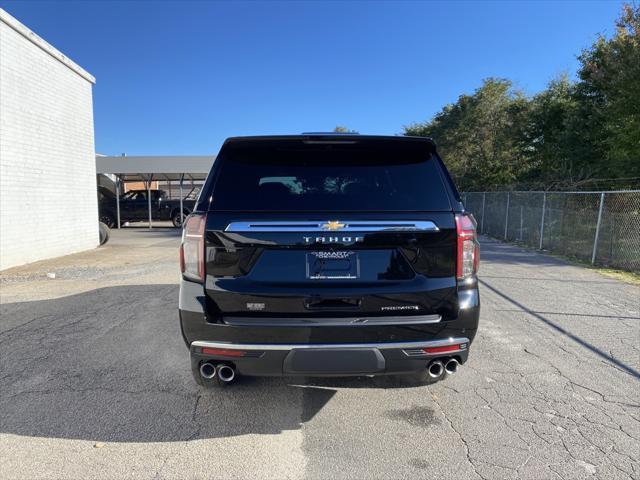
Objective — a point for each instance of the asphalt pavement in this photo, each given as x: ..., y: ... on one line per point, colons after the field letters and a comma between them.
x: 95, y: 383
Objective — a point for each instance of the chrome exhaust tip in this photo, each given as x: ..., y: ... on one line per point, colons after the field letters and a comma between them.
x: 225, y: 373
x: 451, y: 366
x: 207, y: 370
x: 435, y: 369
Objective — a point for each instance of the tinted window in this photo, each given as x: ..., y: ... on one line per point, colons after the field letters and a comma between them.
x: 328, y: 178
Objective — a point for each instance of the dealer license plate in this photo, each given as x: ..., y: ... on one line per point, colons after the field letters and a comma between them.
x: 333, y: 265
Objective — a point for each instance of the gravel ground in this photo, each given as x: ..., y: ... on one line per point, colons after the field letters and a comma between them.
x: 95, y: 383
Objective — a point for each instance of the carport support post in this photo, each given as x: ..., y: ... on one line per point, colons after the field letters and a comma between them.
x: 181, y: 195
x: 544, y: 208
x: 506, y: 216
x: 149, y: 199
x: 595, y: 240
x: 118, y: 201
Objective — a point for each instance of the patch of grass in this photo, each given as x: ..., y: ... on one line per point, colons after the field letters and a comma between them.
x: 622, y: 275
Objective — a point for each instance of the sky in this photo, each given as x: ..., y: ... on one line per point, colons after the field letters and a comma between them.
x: 177, y: 78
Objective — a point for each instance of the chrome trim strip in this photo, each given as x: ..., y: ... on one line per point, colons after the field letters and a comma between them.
x: 337, y: 346
x: 345, y: 226
x: 239, y: 321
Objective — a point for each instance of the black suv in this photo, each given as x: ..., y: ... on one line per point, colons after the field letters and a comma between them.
x: 328, y: 255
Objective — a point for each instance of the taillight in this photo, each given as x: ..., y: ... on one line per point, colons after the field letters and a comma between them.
x: 192, y: 248
x: 468, y: 248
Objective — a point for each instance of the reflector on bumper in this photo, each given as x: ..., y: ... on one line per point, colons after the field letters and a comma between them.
x: 437, y: 350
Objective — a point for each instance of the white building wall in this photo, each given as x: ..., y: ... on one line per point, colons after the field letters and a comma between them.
x: 48, y: 203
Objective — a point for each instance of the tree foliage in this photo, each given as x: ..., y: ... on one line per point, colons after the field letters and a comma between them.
x: 582, y: 134
x: 477, y: 134
x: 341, y: 129
x: 610, y: 83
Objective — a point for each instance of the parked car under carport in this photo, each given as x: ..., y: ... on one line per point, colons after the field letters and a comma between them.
x: 117, y: 208
x: 135, y: 206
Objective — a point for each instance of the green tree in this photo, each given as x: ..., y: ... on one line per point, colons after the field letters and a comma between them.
x: 481, y: 135
x: 609, y: 90
x: 341, y: 129
x: 570, y: 135
x: 553, y: 141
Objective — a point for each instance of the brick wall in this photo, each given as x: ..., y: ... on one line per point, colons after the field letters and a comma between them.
x: 48, y: 203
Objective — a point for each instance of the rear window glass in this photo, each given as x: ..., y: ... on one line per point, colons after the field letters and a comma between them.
x: 328, y: 178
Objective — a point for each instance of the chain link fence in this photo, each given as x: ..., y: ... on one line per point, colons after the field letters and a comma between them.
x: 599, y: 227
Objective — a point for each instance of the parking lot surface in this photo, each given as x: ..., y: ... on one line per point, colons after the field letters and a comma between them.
x: 95, y: 383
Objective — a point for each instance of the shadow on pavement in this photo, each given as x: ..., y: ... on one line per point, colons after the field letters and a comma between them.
x: 111, y: 365
x: 378, y: 382
x: 617, y: 317
x: 621, y: 365
x: 508, y: 254
x: 547, y: 279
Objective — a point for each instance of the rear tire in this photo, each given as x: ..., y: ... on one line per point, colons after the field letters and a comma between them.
x: 177, y: 220
x: 105, y: 233
x: 108, y: 220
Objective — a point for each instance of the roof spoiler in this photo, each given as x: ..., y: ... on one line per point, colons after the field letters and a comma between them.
x: 336, y: 138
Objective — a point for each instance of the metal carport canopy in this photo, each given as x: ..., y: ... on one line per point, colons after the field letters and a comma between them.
x: 138, y: 169
x: 150, y: 168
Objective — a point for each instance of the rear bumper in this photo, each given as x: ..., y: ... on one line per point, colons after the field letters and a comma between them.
x: 333, y: 346
x: 389, y: 358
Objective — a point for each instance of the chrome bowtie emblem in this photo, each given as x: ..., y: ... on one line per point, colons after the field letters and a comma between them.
x: 333, y: 225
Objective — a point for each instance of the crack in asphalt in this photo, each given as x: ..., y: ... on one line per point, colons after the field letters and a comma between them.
x: 459, y: 435
x: 531, y: 402
x: 630, y: 370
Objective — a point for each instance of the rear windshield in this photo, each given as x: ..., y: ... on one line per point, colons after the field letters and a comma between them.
x: 328, y: 178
